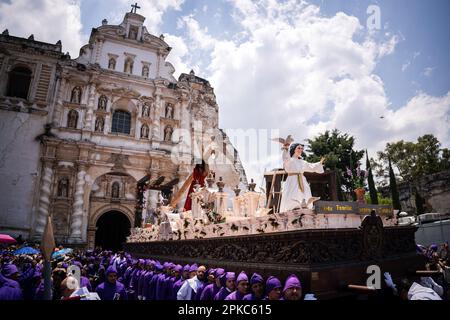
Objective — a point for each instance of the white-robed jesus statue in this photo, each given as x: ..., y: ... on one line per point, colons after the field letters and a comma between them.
x: 296, y: 189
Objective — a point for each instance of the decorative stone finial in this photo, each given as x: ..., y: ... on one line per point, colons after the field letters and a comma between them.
x: 237, y: 191
x: 58, y: 43
x: 161, y: 36
x: 220, y: 184
x: 31, y: 37
x: 192, y: 73
x: 210, y: 180
x: 5, y: 32
x: 104, y: 22
x: 251, y: 186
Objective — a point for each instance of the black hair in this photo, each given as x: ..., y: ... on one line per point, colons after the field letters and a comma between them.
x: 293, y: 147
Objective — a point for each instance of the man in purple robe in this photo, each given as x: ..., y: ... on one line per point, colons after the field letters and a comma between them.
x: 211, y: 289
x: 9, y: 287
x: 273, y: 288
x: 169, y: 293
x: 228, y: 282
x: 148, y: 276
x: 242, y: 287
x: 132, y: 288
x: 152, y: 285
x: 257, y: 287
x: 184, y: 276
x: 292, y: 288
x: 140, y: 288
x: 112, y: 289
x: 161, y: 282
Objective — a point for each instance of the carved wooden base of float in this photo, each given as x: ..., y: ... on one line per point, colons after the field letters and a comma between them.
x: 325, y: 259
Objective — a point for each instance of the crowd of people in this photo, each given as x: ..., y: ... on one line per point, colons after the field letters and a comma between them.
x: 118, y: 276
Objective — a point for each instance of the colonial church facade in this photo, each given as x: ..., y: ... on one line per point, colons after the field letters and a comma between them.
x: 84, y: 139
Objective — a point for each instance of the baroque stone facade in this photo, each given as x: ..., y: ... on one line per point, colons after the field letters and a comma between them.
x: 79, y: 135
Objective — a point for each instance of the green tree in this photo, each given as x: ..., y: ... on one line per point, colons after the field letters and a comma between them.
x: 393, y: 187
x: 415, y: 160
x: 371, y: 182
x: 338, y: 149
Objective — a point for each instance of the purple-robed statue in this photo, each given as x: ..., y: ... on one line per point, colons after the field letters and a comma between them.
x: 212, y: 289
x: 257, y: 288
x: 242, y: 287
x: 111, y: 289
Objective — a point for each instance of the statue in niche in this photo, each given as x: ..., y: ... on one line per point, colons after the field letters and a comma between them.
x: 99, y: 124
x: 145, y: 71
x: 112, y: 64
x: 168, y: 133
x: 133, y: 33
x: 169, y: 111
x: 63, y: 187
x: 146, y: 111
x: 144, y: 131
x: 128, y: 66
x: 102, y: 101
x: 115, y: 190
x: 76, y: 95
x: 72, y: 119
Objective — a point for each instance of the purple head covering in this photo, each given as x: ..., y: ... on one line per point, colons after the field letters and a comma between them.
x: 9, y: 269
x: 159, y: 267
x: 178, y: 268
x: 78, y: 264
x: 219, y: 272
x: 110, y: 269
x: 193, y: 268
x: 256, y: 278
x: 230, y: 275
x: 65, y: 265
x: 434, y: 247
x: 242, y: 277
x: 186, y: 268
x: 272, y: 283
x: 165, y: 265
x: 292, y: 282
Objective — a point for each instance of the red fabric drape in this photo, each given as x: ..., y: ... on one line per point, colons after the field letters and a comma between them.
x: 198, y: 178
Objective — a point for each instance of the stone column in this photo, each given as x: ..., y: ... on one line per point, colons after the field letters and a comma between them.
x: 156, y: 125
x: 77, y: 214
x: 44, y: 199
x: 152, y: 198
x: 58, y: 112
x: 251, y: 200
x: 88, y: 125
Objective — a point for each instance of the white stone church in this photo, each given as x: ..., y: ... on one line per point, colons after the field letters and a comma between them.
x: 81, y: 139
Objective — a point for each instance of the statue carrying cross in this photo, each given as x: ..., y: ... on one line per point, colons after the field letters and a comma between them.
x: 134, y: 7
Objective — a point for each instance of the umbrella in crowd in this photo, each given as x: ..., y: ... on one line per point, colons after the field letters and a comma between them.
x: 4, y: 238
x: 26, y: 250
x: 61, y: 252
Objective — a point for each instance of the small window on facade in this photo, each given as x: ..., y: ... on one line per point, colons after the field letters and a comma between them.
x: 121, y: 122
x: 72, y: 119
x: 19, y: 82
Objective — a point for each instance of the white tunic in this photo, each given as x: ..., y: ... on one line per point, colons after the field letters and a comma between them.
x: 292, y: 196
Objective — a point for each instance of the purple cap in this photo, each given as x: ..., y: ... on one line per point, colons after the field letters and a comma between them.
x: 219, y: 272
x: 193, y: 268
x: 292, y: 282
x: 256, y: 278
x: 272, y: 283
x: 242, y: 277
x: 78, y: 264
x: 178, y: 268
x: 110, y: 269
x: 186, y: 268
x: 230, y: 275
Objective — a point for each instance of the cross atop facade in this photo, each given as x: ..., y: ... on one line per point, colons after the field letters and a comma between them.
x: 134, y: 7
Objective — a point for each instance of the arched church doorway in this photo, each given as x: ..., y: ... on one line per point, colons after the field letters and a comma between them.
x: 112, y: 229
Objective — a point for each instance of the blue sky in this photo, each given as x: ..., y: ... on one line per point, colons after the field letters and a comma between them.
x: 299, y: 67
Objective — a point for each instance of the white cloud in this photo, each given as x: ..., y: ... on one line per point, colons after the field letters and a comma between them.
x: 178, y: 55
x: 303, y: 73
x: 409, y: 61
x: 428, y: 71
x: 48, y: 20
